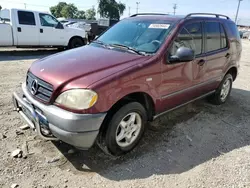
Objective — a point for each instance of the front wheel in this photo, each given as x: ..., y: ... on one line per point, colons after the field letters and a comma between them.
x: 223, y: 92
x: 76, y: 42
x: 126, y: 128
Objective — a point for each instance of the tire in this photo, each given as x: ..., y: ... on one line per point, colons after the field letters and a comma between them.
x: 125, y: 114
x: 76, y: 42
x: 218, y: 98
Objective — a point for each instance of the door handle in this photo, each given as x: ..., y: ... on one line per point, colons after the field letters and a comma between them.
x: 41, y: 30
x: 227, y: 55
x: 201, y: 62
x: 19, y: 29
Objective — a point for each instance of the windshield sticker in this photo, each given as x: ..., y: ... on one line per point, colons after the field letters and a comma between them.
x: 159, y: 26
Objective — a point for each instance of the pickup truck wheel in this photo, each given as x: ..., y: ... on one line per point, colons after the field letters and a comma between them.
x: 223, y: 92
x: 126, y: 128
x: 75, y: 43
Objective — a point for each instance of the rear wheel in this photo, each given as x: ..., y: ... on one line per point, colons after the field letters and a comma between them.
x: 76, y: 42
x: 223, y: 92
x: 126, y: 128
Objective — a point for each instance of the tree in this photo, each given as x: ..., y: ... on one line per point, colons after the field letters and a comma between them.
x: 69, y: 11
x: 63, y: 9
x: 111, y: 9
x: 80, y: 14
x: 56, y: 10
x: 121, y: 8
x: 90, y: 14
x: 0, y: 7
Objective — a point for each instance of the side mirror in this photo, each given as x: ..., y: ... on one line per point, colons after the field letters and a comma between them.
x: 183, y: 54
x: 59, y: 26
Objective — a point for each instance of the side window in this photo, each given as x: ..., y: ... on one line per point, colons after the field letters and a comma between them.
x: 47, y: 20
x: 232, y: 28
x: 26, y: 18
x: 213, y: 36
x: 223, y: 37
x: 191, y: 37
x: 233, y: 32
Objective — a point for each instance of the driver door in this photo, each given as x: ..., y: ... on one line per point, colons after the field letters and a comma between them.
x: 179, y: 78
x: 49, y: 34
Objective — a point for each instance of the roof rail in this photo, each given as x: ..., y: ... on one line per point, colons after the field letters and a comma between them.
x: 209, y: 14
x: 145, y: 14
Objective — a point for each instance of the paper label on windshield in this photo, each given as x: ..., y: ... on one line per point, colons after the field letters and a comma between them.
x: 159, y: 26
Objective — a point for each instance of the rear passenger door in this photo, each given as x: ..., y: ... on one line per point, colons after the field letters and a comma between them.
x: 217, y: 51
x: 27, y: 30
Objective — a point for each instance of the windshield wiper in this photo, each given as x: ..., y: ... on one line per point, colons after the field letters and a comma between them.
x: 101, y: 43
x: 133, y: 50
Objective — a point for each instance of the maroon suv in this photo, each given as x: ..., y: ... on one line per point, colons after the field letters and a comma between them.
x: 142, y: 67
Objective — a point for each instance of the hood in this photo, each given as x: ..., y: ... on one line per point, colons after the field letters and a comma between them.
x: 88, y: 61
x: 74, y: 29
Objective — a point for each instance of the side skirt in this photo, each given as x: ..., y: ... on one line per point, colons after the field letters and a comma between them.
x: 200, y: 97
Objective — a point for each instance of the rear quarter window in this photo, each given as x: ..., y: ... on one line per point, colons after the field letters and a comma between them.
x: 234, y: 37
x: 233, y: 30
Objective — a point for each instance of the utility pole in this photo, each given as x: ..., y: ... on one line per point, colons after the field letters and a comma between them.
x: 129, y: 11
x: 25, y: 5
x: 237, y: 10
x: 175, y: 7
x: 137, y: 7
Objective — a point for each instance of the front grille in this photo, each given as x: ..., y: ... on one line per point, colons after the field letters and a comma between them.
x: 44, y: 90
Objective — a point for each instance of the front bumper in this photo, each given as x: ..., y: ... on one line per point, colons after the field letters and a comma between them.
x: 53, y: 123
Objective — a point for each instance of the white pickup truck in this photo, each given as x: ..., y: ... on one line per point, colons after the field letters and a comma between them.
x: 24, y: 28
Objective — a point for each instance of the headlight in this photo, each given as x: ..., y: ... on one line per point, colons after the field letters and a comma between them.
x: 78, y: 99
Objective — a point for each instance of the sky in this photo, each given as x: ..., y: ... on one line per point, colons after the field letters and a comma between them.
x: 227, y: 7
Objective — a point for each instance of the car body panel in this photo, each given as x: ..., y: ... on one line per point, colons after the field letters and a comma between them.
x: 144, y: 77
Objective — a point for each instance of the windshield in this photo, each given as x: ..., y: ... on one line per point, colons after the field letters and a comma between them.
x: 142, y: 35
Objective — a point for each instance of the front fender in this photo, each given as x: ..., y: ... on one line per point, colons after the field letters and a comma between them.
x: 70, y: 37
x: 114, y: 94
x: 139, y: 78
x: 72, y: 32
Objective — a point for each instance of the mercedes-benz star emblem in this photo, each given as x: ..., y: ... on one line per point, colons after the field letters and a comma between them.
x: 34, y: 87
